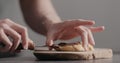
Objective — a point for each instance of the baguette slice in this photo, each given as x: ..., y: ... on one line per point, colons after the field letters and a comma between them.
x: 72, y: 47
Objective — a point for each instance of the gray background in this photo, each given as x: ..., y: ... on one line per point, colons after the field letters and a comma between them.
x: 104, y: 12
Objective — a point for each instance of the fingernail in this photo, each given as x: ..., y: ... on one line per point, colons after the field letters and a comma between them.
x: 93, y: 43
x: 86, y: 48
x: 103, y: 27
x: 25, y: 47
x: 49, y: 43
x: 93, y: 22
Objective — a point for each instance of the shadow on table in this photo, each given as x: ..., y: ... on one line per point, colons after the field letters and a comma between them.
x: 7, y: 54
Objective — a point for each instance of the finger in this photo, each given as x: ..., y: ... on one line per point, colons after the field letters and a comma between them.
x: 10, y: 22
x: 20, y: 29
x: 78, y: 22
x: 84, y: 36
x: 16, y: 37
x: 25, y: 39
x: 97, y: 29
x: 68, y: 34
x: 24, y: 35
x: 49, y: 40
x: 31, y: 45
x: 90, y: 36
x: 5, y: 40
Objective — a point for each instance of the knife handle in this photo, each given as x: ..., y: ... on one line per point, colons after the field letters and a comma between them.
x: 19, y: 47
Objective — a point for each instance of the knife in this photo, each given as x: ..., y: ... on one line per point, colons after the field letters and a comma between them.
x: 44, y: 47
x: 20, y: 47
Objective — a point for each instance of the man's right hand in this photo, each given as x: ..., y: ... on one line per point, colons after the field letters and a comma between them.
x: 69, y: 29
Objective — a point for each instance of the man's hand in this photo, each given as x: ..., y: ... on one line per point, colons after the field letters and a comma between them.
x: 72, y: 28
x: 18, y: 34
x: 47, y: 22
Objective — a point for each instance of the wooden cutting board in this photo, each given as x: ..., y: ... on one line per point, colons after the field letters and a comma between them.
x: 42, y: 53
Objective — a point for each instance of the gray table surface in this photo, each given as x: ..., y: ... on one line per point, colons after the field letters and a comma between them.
x: 28, y: 57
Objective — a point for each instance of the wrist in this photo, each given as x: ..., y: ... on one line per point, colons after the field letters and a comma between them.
x: 50, y: 23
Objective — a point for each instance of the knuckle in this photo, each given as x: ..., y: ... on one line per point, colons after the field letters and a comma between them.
x: 80, y: 27
x: 1, y: 30
x: 9, y: 45
x: 7, y: 19
x: 88, y: 30
x: 24, y: 29
x: 18, y: 37
x: 3, y: 25
x: 1, y: 35
x: 84, y: 32
x: 92, y: 21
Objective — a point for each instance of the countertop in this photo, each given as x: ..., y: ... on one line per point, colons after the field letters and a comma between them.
x: 28, y: 57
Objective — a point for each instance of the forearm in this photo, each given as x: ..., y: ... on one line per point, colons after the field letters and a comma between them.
x: 39, y: 14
